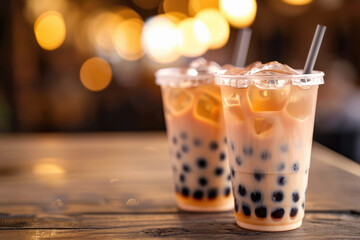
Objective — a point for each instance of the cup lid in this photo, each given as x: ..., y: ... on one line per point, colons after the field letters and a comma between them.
x: 269, y: 81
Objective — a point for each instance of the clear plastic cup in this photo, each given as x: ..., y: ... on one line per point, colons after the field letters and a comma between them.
x: 269, y: 121
x: 197, y: 141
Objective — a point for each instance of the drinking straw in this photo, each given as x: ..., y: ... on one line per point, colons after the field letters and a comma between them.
x: 314, y: 49
x: 242, y: 46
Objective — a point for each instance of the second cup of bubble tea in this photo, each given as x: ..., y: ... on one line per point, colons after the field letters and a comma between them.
x: 197, y: 141
x: 269, y: 122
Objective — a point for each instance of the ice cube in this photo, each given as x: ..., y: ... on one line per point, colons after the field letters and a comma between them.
x: 272, y: 68
x: 233, y: 105
x: 301, y: 102
x: 202, y: 65
x: 237, y: 71
x: 268, y: 99
x: 263, y: 126
x: 208, y: 108
x: 178, y: 100
x: 234, y: 99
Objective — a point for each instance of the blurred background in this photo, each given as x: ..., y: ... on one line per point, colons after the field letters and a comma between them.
x: 85, y: 66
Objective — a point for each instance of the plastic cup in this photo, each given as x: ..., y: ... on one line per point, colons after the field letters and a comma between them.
x: 269, y: 122
x: 197, y: 142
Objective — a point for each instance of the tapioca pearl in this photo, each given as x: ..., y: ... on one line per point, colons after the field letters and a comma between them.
x: 238, y: 160
x: 242, y: 190
x: 197, y: 142
x: 198, y: 194
x: 186, y: 168
x: 212, y: 193
x: 258, y: 176
x: 182, y: 178
x: 277, y: 196
x: 256, y: 196
x: 201, y: 163
x: 222, y: 156
x: 248, y: 150
x: 265, y: 155
x: 295, y: 167
x: 203, y: 181
x: 281, y: 180
x: 178, y: 155
x: 236, y: 205
x: 213, y: 145
x: 228, y: 177
x: 246, y: 210
x: 174, y: 140
x: 183, y: 135
x: 227, y: 191
x: 281, y: 166
x: 185, y: 191
x: 295, y: 196
x: 184, y: 148
x: 261, y: 212
x: 232, y: 146
x: 293, y: 212
x: 219, y: 171
x: 278, y: 213
x: 232, y: 172
x: 284, y: 148
x: 303, y: 205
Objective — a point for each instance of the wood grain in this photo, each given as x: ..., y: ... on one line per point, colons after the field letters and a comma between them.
x: 119, y: 186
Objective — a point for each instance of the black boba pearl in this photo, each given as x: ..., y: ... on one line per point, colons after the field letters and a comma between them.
x: 303, y: 205
x: 281, y: 166
x: 203, y: 181
x: 236, y: 205
x: 296, y: 167
x: 295, y: 196
x: 197, y: 142
x: 185, y: 148
x: 265, y: 155
x: 174, y: 140
x: 212, y: 193
x: 186, y: 168
x: 242, y: 190
x: 219, y: 171
x: 213, y: 145
x: 281, y: 180
x: 232, y: 146
x: 222, y: 156
x: 278, y: 196
x: 225, y: 140
x: 185, y: 191
x: 228, y: 177
x: 201, y: 162
x: 183, y: 135
x: 238, y: 160
x: 248, y: 151
x: 278, y: 213
x: 198, y: 194
x: 284, y: 148
x: 182, y: 178
x: 178, y: 155
x: 261, y: 212
x: 232, y: 172
x: 258, y: 176
x: 246, y: 209
x: 255, y: 196
x: 227, y: 191
x: 293, y: 211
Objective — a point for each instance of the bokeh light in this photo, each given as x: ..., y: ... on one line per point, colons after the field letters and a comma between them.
x: 50, y: 30
x: 196, y: 6
x: 127, y: 39
x: 126, y: 13
x: 160, y: 39
x: 195, y: 37
x: 95, y: 74
x: 34, y: 8
x: 176, y: 6
x: 47, y: 169
x: 297, y: 2
x: 147, y: 4
x: 218, y: 26
x: 240, y: 14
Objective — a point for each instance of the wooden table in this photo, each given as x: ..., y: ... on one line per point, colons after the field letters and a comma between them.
x: 119, y: 186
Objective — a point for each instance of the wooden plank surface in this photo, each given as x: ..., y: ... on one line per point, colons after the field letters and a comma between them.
x: 98, y: 186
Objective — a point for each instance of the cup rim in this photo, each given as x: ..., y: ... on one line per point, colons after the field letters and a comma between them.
x: 182, y: 76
